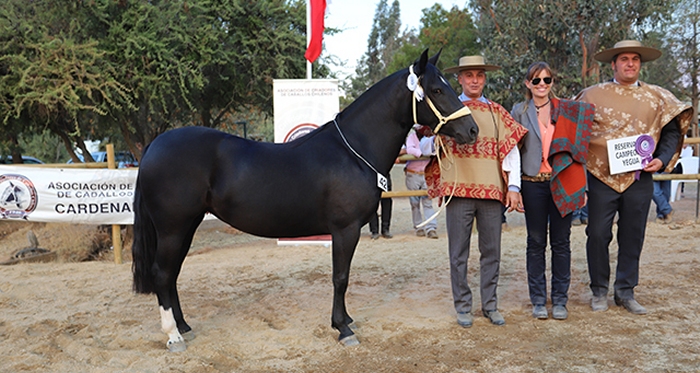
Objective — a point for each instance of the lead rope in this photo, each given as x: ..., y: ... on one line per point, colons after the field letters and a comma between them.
x: 440, y: 147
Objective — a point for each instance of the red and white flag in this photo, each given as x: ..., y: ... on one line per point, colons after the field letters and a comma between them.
x: 318, y: 11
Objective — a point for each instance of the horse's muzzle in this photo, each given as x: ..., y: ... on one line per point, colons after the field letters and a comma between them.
x: 467, y: 133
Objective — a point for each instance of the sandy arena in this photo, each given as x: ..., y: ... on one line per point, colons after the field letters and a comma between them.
x: 259, y: 307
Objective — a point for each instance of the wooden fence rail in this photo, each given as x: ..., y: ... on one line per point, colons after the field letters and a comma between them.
x: 421, y: 193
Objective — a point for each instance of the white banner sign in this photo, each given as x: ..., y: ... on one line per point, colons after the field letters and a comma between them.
x: 77, y: 196
x: 302, y: 105
x: 623, y: 156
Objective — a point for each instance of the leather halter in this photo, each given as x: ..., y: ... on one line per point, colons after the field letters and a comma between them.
x: 418, y: 96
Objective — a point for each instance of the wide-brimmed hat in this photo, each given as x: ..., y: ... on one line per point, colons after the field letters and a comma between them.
x: 627, y: 46
x: 471, y: 63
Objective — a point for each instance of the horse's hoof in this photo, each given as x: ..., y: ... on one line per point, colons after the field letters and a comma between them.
x: 188, y: 336
x: 349, y: 341
x: 353, y: 326
x: 177, y: 346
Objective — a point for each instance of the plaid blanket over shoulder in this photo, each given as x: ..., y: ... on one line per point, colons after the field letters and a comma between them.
x: 568, y: 154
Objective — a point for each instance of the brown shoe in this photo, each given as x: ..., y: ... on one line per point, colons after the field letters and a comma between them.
x: 432, y: 234
x: 668, y: 218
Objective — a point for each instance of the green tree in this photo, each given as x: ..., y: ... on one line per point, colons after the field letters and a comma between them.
x: 131, y: 69
x: 384, y: 40
x: 515, y: 33
x: 678, y: 69
x: 52, y: 76
x: 451, y: 31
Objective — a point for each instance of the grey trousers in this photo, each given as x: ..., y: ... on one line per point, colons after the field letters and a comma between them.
x: 417, y: 182
x: 460, y: 215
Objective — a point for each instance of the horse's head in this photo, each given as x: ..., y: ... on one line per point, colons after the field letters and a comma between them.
x: 435, y: 103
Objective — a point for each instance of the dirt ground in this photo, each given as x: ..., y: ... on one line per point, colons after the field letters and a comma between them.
x: 259, y: 307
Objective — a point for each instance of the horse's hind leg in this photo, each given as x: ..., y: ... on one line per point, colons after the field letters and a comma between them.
x: 182, y: 326
x: 172, y: 249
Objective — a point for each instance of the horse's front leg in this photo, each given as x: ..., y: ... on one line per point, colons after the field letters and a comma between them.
x: 344, y: 244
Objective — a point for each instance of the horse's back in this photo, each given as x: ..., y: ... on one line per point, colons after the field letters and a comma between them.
x: 272, y: 190
x: 176, y: 169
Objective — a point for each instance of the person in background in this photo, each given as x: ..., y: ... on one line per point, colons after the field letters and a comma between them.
x: 553, y: 156
x: 386, y: 206
x: 686, y: 152
x: 626, y: 107
x: 417, y: 145
x: 476, y: 180
x: 504, y: 220
x: 580, y: 216
x: 661, y: 197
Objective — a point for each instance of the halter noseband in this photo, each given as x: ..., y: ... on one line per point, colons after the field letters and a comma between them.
x: 413, y: 83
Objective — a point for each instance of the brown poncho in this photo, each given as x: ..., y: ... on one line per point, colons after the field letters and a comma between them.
x: 475, y: 171
x: 623, y: 111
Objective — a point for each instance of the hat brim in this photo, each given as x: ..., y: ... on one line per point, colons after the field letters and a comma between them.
x: 646, y: 53
x: 456, y: 69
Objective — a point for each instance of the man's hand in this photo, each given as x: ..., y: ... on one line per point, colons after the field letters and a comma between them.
x: 653, y: 166
x: 514, y: 201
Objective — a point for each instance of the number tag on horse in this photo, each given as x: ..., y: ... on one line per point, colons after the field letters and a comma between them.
x: 382, y: 183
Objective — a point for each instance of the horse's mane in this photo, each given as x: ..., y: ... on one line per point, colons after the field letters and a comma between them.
x: 361, y: 102
x: 380, y: 85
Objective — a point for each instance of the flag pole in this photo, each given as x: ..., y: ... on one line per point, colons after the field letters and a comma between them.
x: 308, y: 36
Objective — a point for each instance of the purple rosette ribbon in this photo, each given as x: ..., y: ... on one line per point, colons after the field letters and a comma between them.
x: 644, y: 146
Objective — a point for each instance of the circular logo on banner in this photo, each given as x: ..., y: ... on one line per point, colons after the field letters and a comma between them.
x: 299, y: 131
x: 18, y: 197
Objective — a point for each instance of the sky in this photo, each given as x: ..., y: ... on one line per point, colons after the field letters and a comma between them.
x: 355, y: 18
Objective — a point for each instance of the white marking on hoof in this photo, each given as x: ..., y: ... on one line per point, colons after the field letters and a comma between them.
x: 177, y: 346
x: 350, y: 341
x: 169, y: 326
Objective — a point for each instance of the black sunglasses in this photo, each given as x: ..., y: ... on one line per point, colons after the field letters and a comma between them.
x: 547, y: 80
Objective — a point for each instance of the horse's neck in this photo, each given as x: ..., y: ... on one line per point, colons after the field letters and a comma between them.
x: 377, y: 123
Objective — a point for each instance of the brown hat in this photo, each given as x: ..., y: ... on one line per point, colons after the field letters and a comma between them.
x: 471, y: 63
x: 628, y: 46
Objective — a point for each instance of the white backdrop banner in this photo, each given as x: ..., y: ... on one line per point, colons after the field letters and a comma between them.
x: 302, y: 105
x: 76, y: 196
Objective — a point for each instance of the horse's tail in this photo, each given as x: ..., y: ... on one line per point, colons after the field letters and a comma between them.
x: 144, y: 246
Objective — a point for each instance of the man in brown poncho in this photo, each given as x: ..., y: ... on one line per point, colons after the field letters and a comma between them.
x: 625, y: 108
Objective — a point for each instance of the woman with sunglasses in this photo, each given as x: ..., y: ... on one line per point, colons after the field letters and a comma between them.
x: 553, y: 155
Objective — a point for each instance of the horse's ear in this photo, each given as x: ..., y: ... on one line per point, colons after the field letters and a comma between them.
x: 434, y: 59
x: 421, y: 63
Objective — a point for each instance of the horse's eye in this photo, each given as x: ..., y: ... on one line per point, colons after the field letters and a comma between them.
x: 437, y: 91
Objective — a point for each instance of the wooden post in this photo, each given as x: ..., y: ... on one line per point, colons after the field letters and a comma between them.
x: 116, y: 228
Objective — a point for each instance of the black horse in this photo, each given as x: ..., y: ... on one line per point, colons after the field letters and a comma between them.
x: 324, y: 182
